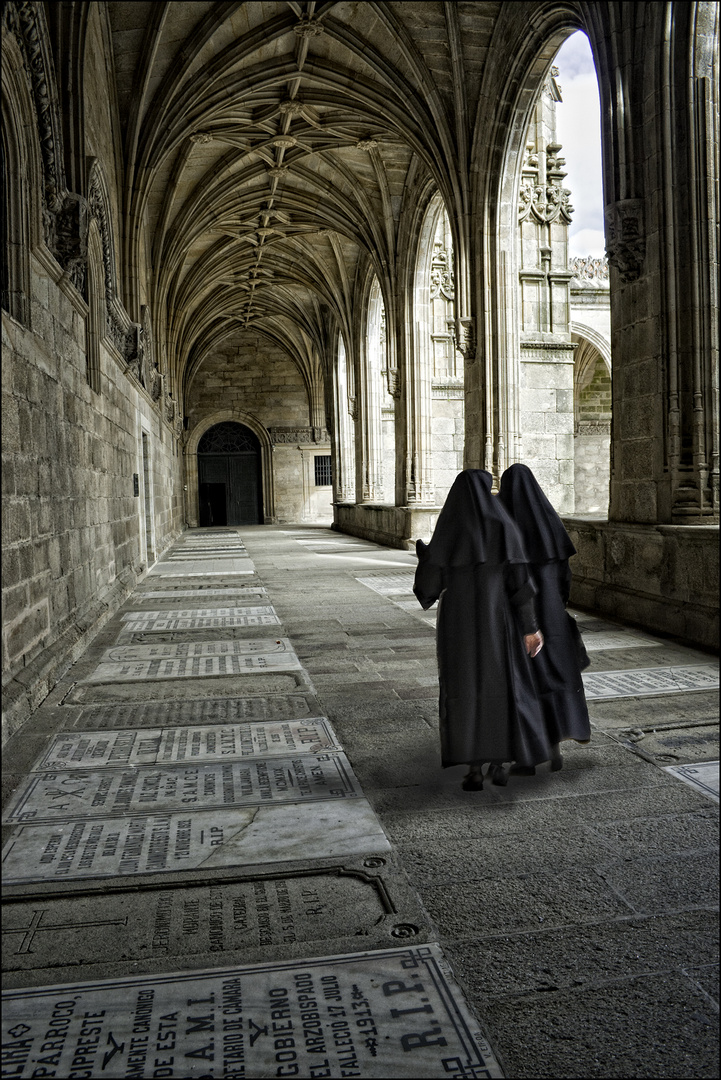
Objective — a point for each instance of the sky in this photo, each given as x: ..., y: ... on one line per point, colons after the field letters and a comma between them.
x: 578, y: 119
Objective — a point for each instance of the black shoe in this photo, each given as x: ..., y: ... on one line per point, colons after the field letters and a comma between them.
x: 557, y: 763
x: 473, y: 782
x: 523, y: 770
x: 498, y: 775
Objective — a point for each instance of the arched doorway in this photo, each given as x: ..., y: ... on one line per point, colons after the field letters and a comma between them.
x: 229, y: 476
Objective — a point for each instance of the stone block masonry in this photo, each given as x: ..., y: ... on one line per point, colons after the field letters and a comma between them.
x: 73, y: 530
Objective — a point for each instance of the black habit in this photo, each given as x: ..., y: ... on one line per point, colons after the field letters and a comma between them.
x: 557, y: 668
x: 476, y: 565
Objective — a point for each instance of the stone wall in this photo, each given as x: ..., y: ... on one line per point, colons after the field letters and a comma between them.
x: 663, y: 578
x: 546, y: 400
x: 73, y: 530
x: 447, y: 435
x: 592, y: 444
x: 394, y: 526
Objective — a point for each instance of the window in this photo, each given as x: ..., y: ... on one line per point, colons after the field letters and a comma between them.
x: 323, y: 476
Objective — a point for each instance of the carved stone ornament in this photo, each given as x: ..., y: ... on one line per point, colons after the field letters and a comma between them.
x: 23, y: 22
x: 353, y: 406
x: 278, y: 172
x: 68, y: 239
x: 544, y: 203
x: 291, y: 108
x: 589, y: 269
x: 441, y: 274
x: 201, y: 137
x: 169, y: 410
x: 284, y: 142
x: 366, y: 144
x: 155, y: 387
x: 625, y: 242
x: 292, y: 435
x: 308, y: 27
x: 393, y: 382
x: 466, y: 337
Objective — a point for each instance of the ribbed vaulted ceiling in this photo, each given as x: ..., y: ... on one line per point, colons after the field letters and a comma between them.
x: 270, y: 149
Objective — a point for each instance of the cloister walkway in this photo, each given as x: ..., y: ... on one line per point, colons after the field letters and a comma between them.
x: 230, y: 849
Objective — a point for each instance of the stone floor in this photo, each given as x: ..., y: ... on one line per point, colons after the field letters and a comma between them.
x: 230, y: 851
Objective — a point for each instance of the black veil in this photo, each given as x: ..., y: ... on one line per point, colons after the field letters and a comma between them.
x: 543, y: 532
x: 473, y: 526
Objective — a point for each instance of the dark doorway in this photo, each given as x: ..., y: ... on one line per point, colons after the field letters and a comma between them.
x: 229, y: 476
x: 213, y: 508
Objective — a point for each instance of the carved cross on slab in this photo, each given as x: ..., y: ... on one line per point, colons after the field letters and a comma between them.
x: 34, y: 928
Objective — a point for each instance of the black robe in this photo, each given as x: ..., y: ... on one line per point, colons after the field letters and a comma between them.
x: 557, y: 668
x: 475, y: 564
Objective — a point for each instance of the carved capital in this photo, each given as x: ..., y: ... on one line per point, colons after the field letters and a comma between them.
x: 625, y: 240
x: 393, y: 381
x: 155, y: 386
x: 67, y: 238
x: 466, y: 338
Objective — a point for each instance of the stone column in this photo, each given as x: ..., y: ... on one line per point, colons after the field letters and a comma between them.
x: 661, y: 183
x: 369, y: 430
x: 343, y: 432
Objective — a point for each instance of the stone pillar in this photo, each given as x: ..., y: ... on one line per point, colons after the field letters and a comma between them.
x: 661, y: 183
x: 343, y: 432
x: 369, y: 429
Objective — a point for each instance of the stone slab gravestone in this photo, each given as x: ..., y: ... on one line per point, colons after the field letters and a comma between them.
x: 192, y: 667
x: 213, y: 742
x: 190, y: 690
x: 194, y: 613
x: 111, y: 847
x: 234, y: 591
x: 638, y: 682
x: 255, y: 915
x: 196, y: 569
x: 621, y: 639
x: 394, y: 1012
x: 202, y: 618
x: 67, y: 794
x: 389, y: 584
x: 183, y: 650
x: 206, y: 711
x: 168, y: 637
x: 703, y: 776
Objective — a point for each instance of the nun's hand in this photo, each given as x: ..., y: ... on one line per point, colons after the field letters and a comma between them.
x: 533, y: 643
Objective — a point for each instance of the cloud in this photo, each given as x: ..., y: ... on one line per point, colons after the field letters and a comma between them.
x: 586, y: 242
x: 578, y: 129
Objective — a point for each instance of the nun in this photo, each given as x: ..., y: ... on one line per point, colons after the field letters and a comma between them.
x: 557, y: 672
x: 487, y: 632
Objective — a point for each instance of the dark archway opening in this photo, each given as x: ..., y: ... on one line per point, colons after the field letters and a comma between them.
x: 229, y: 476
